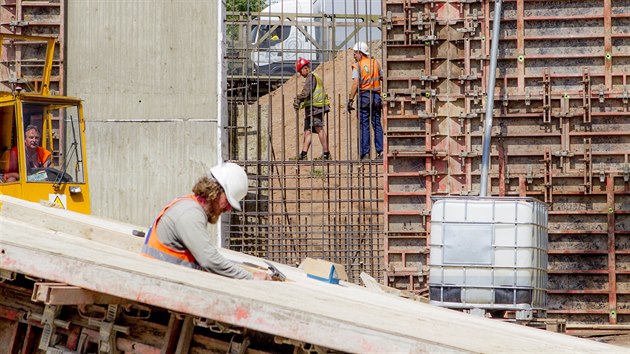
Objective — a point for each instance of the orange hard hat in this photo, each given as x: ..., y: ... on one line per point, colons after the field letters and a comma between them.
x: 300, y: 63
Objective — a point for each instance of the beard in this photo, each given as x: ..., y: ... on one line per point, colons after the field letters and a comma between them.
x: 212, y: 211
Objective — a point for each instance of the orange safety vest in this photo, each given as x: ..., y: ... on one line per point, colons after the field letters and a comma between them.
x: 153, y: 248
x: 369, y: 74
x: 42, y: 155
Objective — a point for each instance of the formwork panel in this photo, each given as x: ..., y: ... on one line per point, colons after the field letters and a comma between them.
x: 560, y: 134
x: 571, y: 282
x: 577, y: 221
x: 24, y: 62
x: 582, y: 262
x: 622, y: 221
x: 409, y: 126
x: 560, y: 131
x: 561, y: 8
x: 403, y: 224
x: 580, y: 203
x: 623, y: 283
x: 622, y: 242
x: 559, y: 242
x: 580, y: 302
x: 407, y: 166
x: 623, y: 304
x: 406, y: 185
x: 622, y: 202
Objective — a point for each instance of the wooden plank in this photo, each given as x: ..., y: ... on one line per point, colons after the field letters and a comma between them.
x: 62, y: 294
x: 172, y: 333
x: 351, y: 319
x: 183, y: 345
x: 109, y: 232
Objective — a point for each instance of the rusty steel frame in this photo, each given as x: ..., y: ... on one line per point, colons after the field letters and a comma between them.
x: 559, y: 132
x: 33, y: 18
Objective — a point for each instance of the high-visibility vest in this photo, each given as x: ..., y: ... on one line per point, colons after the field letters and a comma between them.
x: 369, y: 74
x: 42, y: 155
x: 153, y: 248
x: 318, y: 97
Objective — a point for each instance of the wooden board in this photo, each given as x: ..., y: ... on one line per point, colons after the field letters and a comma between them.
x: 350, y: 319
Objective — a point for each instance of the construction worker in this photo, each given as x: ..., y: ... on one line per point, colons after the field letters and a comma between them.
x: 366, y: 82
x: 315, y: 103
x: 36, y: 156
x: 179, y: 234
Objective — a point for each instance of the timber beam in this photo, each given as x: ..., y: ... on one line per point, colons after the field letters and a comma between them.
x: 63, y: 294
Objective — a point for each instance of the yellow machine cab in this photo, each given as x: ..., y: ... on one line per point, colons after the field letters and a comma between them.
x: 42, y: 136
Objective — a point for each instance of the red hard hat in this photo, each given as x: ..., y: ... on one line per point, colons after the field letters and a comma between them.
x: 299, y: 64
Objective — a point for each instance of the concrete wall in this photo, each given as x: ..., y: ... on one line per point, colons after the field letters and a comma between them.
x: 148, y: 72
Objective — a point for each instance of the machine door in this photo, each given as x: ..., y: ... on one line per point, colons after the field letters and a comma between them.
x: 9, y: 166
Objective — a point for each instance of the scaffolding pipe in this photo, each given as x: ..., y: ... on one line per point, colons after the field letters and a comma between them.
x: 487, y: 128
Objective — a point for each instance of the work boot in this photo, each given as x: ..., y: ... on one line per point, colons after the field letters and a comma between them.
x: 379, y: 156
x: 365, y: 156
x: 299, y: 157
x: 326, y: 156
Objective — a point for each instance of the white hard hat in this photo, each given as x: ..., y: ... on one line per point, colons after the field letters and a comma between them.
x: 361, y: 47
x: 233, y: 179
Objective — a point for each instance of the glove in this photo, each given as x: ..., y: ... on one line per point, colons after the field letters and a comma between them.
x: 349, y: 106
x: 296, y: 104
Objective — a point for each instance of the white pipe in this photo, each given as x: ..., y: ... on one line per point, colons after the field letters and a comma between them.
x: 487, y: 129
x: 221, y: 83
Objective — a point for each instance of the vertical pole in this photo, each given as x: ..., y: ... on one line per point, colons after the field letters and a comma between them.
x: 487, y: 129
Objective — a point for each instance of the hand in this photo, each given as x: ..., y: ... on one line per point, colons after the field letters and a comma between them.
x: 261, y: 276
x: 296, y: 104
x: 350, y: 106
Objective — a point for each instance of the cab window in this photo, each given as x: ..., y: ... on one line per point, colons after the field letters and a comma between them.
x: 278, y: 33
x: 60, y: 146
x: 52, y: 150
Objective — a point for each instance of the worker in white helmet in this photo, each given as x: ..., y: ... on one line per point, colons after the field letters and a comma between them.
x: 179, y: 234
x: 366, y: 83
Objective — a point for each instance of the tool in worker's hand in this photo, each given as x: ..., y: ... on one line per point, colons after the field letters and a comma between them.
x: 138, y: 233
x: 275, y: 273
x: 296, y: 104
x: 350, y: 106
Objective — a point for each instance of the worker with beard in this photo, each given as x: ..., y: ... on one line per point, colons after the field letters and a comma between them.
x: 179, y: 234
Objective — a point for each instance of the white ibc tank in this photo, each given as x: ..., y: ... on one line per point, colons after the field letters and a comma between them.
x: 488, y: 253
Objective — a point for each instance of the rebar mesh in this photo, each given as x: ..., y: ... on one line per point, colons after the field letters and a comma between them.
x: 320, y: 209
x: 327, y: 209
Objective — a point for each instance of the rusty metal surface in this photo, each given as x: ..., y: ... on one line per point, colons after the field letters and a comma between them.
x: 560, y: 134
x: 26, y: 60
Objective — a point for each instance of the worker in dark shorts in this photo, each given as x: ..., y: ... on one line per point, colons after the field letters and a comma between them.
x: 315, y: 103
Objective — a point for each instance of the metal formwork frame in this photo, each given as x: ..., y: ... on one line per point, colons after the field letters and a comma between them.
x: 560, y: 133
x: 26, y: 60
